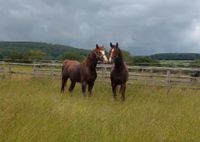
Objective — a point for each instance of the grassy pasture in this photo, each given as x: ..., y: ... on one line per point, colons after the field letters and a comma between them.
x: 32, y: 109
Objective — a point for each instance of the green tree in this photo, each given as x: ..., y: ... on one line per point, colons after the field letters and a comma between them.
x: 36, y: 54
x: 127, y: 57
x: 147, y: 61
x: 73, y: 56
x: 18, y: 56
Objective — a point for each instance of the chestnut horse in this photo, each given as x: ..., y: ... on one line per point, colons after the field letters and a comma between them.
x: 84, y: 72
x: 119, y: 71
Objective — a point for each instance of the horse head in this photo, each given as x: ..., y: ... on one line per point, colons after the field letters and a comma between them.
x: 100, y: 53
x: 114, y: 52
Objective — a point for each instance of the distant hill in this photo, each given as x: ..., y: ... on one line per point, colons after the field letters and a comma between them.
x: 48, y: 50
x: 176, y: 56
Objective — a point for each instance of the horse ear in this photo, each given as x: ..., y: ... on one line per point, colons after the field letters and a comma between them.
x: 111, y: 44
x: 97, y: 46
x: 117, y: 45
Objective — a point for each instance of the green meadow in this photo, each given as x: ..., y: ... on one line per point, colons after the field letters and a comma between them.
x: 33, y: 110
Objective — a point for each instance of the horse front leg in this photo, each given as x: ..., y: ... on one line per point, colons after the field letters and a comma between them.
x: 90, y: 87
x: 122, y: 90
x: 84, y: 85
x: 114, y: 85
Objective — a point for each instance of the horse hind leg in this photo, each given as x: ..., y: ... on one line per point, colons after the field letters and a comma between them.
x: 64, y: 81
x: 83, y: 86
x: 71, y: 88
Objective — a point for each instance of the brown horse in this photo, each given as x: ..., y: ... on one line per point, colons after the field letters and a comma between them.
x: 70, y: 70
x: 119, y: 71
x: 84, y: 72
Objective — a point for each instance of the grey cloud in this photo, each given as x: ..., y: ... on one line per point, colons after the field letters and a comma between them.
x: 140, y: 26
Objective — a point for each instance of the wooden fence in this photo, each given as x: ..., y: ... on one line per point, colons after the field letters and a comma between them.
x: 140, y: 75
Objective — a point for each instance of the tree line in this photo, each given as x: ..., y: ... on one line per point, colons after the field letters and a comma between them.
x: 176, y: 56
x: 30, y: 51
x: 39, y: 51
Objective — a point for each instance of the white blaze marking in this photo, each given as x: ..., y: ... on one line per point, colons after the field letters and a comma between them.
x: 110, y: 58
x: 104, y: 56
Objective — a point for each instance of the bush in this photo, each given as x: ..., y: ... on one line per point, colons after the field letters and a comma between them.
x: 73, y: 56
x: 127, y: 57
x: 195, y: 63
x: 145, y: 61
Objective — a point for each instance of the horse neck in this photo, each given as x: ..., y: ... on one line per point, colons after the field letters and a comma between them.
x: 91, y: 61
x: 119, y: 62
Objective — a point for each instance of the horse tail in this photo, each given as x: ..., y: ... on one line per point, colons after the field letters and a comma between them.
x: 64, y: 67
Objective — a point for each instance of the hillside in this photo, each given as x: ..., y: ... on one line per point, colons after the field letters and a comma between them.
x: 176, y: 56
x: 46, y: 50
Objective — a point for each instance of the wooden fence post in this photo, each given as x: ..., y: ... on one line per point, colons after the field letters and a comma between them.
x: 4, y: 67
x: 105, y: 72
x: 34, y: 69
x: 52, y: 68
x: 168, y: 80
x: 151, y: 73
x: 152, y: 78
x: 9, y: 70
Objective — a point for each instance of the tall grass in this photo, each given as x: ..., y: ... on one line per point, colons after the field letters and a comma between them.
x: 33, y: 110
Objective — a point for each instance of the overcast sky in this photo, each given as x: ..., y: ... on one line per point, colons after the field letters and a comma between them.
x: 139, y: 26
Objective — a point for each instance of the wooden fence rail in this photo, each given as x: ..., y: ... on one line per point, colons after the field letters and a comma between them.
x: 157, y: 76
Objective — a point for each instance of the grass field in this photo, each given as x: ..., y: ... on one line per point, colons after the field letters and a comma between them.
x: 32, y: 109
x: 176, y: 63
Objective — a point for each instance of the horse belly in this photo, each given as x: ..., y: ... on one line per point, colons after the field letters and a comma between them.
x: 75, y: 78
x: 75, y: 75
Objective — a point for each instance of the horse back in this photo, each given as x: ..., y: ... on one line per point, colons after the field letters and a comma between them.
x: 71, y: 69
